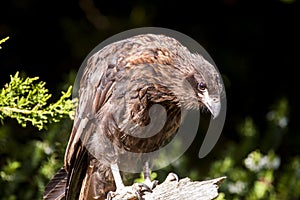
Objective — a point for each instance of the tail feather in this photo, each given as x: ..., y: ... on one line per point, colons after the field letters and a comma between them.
x: 55, y: 189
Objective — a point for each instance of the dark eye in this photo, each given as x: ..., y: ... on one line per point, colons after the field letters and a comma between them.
x: 201, y: 86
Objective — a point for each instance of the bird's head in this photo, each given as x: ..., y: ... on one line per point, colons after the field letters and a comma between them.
x: 201, y: 83
x: 206, y: 83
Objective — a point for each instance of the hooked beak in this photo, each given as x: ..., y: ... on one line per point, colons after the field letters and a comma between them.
x: 212, y: 103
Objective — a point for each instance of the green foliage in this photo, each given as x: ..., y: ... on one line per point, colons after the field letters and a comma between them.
x: 26, y: 101
x: 26, y: 166
x: 9, y: 170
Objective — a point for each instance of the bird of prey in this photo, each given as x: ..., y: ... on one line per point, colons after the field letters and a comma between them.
x: 119, y: 85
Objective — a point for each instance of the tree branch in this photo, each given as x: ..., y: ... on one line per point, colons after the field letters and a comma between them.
x: 171, y: 189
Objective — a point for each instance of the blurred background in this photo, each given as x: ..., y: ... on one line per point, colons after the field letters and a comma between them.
x: 255, y: 45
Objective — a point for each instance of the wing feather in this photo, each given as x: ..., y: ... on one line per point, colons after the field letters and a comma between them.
x: 55, y: 189
x: 84, y: 171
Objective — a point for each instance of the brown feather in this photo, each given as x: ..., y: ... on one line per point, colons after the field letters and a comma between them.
x: 55, y: 189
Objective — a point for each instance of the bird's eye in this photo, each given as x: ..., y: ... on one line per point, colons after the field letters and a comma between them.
x: 201, y: 86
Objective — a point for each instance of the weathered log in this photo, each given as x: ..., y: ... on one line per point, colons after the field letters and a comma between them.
x: 172, y: 189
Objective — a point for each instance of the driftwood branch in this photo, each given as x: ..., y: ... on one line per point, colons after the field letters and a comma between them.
x: 172, y: 189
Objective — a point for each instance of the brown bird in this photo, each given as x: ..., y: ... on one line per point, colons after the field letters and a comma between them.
x: 120, y: 84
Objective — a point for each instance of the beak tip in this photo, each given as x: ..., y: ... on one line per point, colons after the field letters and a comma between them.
x: 213, y: 104
x: 215, y: 110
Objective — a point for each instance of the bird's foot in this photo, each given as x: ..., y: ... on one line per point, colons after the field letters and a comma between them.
x: 147, y: 185
x: 141, y: 188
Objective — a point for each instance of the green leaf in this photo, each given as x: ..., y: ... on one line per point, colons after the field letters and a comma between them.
x: 26, y: 101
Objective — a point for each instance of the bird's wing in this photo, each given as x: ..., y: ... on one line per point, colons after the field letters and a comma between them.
x: 81, y: 173
x: 95, y: 89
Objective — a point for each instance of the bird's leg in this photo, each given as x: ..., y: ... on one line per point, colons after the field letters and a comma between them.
x: 148, y: 184
x: 118, y: 181
x: 117, y: 176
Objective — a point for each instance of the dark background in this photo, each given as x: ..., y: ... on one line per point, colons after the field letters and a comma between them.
x: 254, y: 44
